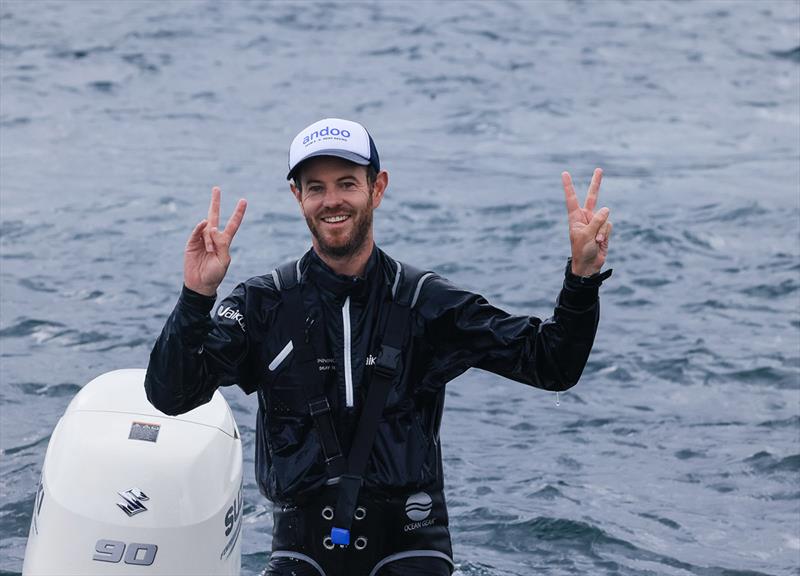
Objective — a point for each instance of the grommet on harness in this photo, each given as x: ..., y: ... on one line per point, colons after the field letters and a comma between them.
x: 347, y: 473
x: 385, y: 534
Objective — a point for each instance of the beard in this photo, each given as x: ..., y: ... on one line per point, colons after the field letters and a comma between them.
x: 362, y: 224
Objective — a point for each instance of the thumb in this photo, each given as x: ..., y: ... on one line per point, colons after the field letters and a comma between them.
x: 604, y: 232
x: 598, y: 220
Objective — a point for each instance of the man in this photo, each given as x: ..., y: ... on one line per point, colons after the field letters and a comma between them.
x: 349, y: 352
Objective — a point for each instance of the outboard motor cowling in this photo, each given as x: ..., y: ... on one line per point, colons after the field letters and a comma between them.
x: 126, y: 489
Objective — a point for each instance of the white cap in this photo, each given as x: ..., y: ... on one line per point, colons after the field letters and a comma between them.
x: 333, y: 137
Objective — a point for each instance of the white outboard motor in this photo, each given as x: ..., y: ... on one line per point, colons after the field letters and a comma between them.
x: 126, y: 489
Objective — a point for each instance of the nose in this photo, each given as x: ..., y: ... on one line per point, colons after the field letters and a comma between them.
x: 332, y: 197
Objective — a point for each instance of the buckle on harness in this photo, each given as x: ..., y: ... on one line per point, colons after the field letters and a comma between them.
x: 349, y: 486
x: 340, y: 536
x: 388, y: 360
x: 319, y: 406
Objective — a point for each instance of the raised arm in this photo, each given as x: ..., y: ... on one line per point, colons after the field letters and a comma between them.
x: 551, y: 354
x: 194, y: 354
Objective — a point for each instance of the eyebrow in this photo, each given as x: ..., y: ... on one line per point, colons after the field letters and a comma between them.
x: 348, y: 177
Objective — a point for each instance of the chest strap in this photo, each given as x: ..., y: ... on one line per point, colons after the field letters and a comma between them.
x: 387, y: 367
x: 305, y: 361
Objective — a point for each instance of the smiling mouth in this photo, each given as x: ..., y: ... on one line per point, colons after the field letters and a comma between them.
x: 335, y: 219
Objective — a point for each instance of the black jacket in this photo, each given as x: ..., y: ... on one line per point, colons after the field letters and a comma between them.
x: 246, y: 342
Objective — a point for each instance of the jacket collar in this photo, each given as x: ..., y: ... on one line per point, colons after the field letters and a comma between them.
x: 341, y: 286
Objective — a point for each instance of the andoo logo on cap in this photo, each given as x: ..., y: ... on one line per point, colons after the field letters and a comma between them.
x: 327, y: 131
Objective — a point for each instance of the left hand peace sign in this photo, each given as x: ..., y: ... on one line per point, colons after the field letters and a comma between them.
x: 588, y: 230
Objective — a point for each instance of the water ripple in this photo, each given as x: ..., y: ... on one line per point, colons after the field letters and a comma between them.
x: 682, y: 435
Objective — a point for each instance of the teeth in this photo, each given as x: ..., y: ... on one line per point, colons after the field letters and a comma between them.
x: 334, y: 219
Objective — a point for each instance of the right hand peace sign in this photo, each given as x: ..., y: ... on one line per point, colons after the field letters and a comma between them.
x: 207, y: 254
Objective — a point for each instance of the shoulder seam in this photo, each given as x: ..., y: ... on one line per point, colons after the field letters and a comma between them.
x: 396, y: 279
x: 418, y: 290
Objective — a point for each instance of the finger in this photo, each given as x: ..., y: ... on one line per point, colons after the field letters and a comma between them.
x: 208, y: 238
x: 594, y: 189
x: 604, y: 231
x: 598, y: 220
x: 569, y: 193
x: 213, y: 208
x: 197, y: 234
x: 608, y: 234
x: 219, y: 239
x: 221, y: 246
x: 236, y: 219
x: 198, y: 230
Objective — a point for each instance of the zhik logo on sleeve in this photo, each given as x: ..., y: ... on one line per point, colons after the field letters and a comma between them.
x: 228, y: 312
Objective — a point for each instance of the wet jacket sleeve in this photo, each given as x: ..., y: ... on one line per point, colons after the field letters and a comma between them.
x: 196, y: 354
x: 466, y: 331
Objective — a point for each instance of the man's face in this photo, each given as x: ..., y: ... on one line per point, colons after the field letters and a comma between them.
x: 337, y: 203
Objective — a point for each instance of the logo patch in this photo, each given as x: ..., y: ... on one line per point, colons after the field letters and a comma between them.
x: 325, y: 364
x: 230, y: 313
x: 233, y: 523
x: 132, y: 501
x: 326, y: 132
x: 144, y: 431
x: 418, y: 506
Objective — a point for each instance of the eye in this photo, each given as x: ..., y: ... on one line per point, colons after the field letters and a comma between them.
x: 315, y: 189
x: 348, y: 185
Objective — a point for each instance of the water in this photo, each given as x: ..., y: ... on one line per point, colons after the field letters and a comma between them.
x: 677, y: 454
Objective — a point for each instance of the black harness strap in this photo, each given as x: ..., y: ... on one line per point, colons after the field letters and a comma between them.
x: 306, y: 360
x: 387, y: 367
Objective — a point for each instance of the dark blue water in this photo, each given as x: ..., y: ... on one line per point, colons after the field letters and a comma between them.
x: 677, y: 454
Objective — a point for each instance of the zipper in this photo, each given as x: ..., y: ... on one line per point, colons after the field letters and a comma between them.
x: 348, y: 368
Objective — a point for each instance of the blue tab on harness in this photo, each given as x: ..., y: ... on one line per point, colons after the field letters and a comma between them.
x: 340, y: 536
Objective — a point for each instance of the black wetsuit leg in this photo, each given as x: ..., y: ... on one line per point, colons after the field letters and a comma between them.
x: 416, y: 567
x: 289, y: 567
x: 405, y: 567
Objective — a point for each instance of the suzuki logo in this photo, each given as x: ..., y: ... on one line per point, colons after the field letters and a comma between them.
x: 132, y: 501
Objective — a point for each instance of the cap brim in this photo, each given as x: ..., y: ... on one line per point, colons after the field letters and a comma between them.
x: 344, y: 154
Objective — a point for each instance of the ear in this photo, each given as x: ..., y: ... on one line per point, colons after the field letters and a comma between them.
x: 297, y: 194
x: 381, y: 183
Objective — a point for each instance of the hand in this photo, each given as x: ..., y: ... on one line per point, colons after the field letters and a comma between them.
x: 588, y: 231
x: 207, y: 254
